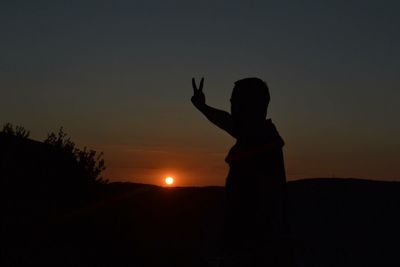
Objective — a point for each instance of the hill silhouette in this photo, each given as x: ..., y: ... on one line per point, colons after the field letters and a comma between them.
x: 334, y: 222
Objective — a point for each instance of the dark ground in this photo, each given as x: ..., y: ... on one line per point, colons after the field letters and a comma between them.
x: 335, y: 222
x: 50, y: 217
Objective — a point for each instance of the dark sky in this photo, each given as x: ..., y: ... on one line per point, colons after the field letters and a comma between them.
x: 116, y: 75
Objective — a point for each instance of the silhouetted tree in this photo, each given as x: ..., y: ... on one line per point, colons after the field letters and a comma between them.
x: 19, y: 131
x: 90, y: 163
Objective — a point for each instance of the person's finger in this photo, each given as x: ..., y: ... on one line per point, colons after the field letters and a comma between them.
x: 194, y: 85
x: 201, y: 84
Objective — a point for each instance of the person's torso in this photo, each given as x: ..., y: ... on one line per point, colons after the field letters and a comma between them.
x: 258, y: 159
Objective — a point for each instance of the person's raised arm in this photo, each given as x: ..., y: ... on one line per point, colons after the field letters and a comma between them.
x: 220, y: 118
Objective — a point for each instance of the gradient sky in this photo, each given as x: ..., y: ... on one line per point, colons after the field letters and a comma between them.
x: 116, y: 75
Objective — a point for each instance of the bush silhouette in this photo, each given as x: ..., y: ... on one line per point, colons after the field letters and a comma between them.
x: 90, y: 164
x: 55, y: 160
x: 19, y: 131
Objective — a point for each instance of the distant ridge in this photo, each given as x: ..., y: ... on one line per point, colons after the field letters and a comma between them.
x: 318, y: 180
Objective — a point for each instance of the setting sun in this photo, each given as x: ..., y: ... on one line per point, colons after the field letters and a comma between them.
x: 169, y: 180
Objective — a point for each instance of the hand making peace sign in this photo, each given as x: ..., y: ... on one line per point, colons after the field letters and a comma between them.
x: 198, y: 99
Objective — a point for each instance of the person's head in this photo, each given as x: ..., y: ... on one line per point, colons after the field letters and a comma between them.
x: 249, y: 101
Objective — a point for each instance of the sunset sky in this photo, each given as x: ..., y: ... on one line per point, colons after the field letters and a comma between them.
x: 116, y: 75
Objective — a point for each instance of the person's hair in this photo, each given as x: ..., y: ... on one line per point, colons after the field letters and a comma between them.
x: 252, y: 93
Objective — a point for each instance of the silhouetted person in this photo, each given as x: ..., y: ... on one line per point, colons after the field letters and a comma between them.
x: 255, y: 186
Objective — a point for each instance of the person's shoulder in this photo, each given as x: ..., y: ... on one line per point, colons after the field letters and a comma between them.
x: 273, y: 133
x: 270, y: 126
